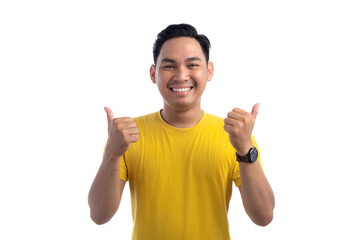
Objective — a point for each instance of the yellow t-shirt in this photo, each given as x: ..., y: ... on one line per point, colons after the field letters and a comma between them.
x: 180, y: 179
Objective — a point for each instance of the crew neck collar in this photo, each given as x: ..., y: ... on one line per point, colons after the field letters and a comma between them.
x: 173, y: 129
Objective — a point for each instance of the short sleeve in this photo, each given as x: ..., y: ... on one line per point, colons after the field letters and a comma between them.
x: 123, y: 168
x: 236, y: 174
x: 236, y: 170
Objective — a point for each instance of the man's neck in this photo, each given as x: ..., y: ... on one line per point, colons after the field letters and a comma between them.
x: 182, y: 119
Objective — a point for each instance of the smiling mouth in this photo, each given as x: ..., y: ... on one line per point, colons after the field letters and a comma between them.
x: 181, y: 89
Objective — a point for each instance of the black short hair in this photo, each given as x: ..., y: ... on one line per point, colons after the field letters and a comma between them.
x: 180, y: 30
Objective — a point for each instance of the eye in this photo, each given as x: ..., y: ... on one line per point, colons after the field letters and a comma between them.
x: 193, y: 65
x: 168, y: 66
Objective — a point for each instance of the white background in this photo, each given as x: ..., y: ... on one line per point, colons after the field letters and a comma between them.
x: 61, y: 62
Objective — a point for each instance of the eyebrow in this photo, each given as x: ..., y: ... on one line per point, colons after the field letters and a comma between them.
x: 193, y: 59
x: 168, y: 60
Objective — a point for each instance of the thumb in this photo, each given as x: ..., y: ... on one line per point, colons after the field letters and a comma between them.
x: 110, y: 115
x: 254, y: 111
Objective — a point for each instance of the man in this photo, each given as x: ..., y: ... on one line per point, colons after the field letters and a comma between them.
x: 181, y: 161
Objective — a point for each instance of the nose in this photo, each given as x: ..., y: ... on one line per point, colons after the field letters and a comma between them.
x: 182, y: 74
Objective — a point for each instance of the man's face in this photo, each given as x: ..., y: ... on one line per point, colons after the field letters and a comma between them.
x: 181, y: 73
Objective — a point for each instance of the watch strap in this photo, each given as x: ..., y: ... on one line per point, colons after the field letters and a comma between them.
x: 244, y: 158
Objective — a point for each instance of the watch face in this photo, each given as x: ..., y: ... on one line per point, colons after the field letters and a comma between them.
x: 253, y: 155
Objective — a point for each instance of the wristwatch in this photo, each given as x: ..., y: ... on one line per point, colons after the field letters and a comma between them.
x: 250, y: 157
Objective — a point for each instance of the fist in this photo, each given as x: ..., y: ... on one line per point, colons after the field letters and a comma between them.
x: 239, y: 124
x: 121, y: 133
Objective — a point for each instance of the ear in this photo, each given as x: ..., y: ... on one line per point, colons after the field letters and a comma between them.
x: 152, y: 73
x: 210, y: 67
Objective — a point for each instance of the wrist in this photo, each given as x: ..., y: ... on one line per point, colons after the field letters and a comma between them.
x: 113, y: 151
x: 250, y: 157
x: 244, y: 150
x: 111, y: 156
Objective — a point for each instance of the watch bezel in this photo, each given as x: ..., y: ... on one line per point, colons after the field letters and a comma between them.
x: 253, y: 155
x: 250, y: 157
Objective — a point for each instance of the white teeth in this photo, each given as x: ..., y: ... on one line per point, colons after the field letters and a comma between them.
x: 180, y: 89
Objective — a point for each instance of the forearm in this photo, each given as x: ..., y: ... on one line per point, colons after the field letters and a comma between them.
x: 105, y: 192
x: 256, y: 192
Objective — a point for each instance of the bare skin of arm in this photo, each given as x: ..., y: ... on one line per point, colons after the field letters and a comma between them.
x: 256, y: 193
x: 106, y: 191
x: 107, y: 188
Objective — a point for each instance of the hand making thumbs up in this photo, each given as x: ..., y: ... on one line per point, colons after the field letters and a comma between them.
x: 121, y: 133
x: 239, y: 124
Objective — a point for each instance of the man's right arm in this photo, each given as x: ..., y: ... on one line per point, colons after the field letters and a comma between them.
x: 107, y: 188
x: 106, y: 191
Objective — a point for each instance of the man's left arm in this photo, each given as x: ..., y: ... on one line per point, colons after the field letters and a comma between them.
x: 257, y: 195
